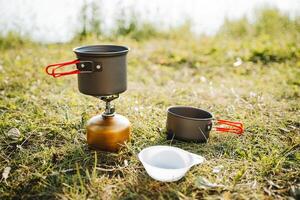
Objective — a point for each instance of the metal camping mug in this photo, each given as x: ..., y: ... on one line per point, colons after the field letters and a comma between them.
x: 101, y: 69
x: 193, y: 124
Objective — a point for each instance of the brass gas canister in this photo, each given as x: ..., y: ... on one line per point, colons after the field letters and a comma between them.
x: 107, y: 133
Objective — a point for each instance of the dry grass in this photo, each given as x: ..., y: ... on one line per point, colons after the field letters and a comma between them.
x: 50, y: 158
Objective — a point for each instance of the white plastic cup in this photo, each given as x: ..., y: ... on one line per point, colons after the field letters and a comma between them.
x: 166, y: 163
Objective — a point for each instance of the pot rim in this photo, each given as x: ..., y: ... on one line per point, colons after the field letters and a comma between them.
x: 190, y: 118
x: 89, y: 50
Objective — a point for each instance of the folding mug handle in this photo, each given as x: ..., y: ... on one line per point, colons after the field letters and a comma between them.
x: 54, y: 67
x: 230, y: 127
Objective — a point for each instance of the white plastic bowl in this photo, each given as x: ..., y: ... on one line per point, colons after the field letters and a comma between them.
x: 166, y: 163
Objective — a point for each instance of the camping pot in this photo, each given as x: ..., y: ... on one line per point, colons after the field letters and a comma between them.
x: 101, y: 69
x: 193, y: 124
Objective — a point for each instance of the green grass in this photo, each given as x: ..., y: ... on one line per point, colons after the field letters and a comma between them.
x: 50, y: 159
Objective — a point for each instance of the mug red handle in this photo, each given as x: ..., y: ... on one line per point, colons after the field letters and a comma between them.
x: 230, y: 127
x: 54, y: 67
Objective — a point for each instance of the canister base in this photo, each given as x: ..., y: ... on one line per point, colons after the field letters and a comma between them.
x: 107, y: 133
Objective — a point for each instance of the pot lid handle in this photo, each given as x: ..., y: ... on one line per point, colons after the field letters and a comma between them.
x: 230, y: 127
x: 51, y: 69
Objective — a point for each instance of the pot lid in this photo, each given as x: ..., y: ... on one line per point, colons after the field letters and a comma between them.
x: 190, y: 113
x: 101, y: 50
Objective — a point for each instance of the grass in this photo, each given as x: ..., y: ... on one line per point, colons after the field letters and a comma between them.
x: 42, y: 120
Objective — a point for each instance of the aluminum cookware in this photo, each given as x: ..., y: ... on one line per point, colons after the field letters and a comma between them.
x: 101, y: 69
x: 194, y: 124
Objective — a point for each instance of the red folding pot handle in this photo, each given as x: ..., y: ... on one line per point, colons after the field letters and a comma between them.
x: 230, y: 127
x: 51, y: 69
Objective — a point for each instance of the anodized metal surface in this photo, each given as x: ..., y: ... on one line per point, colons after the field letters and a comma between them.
x: 107, y: 133
x: 188, y: 124
x: 108, y: 73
